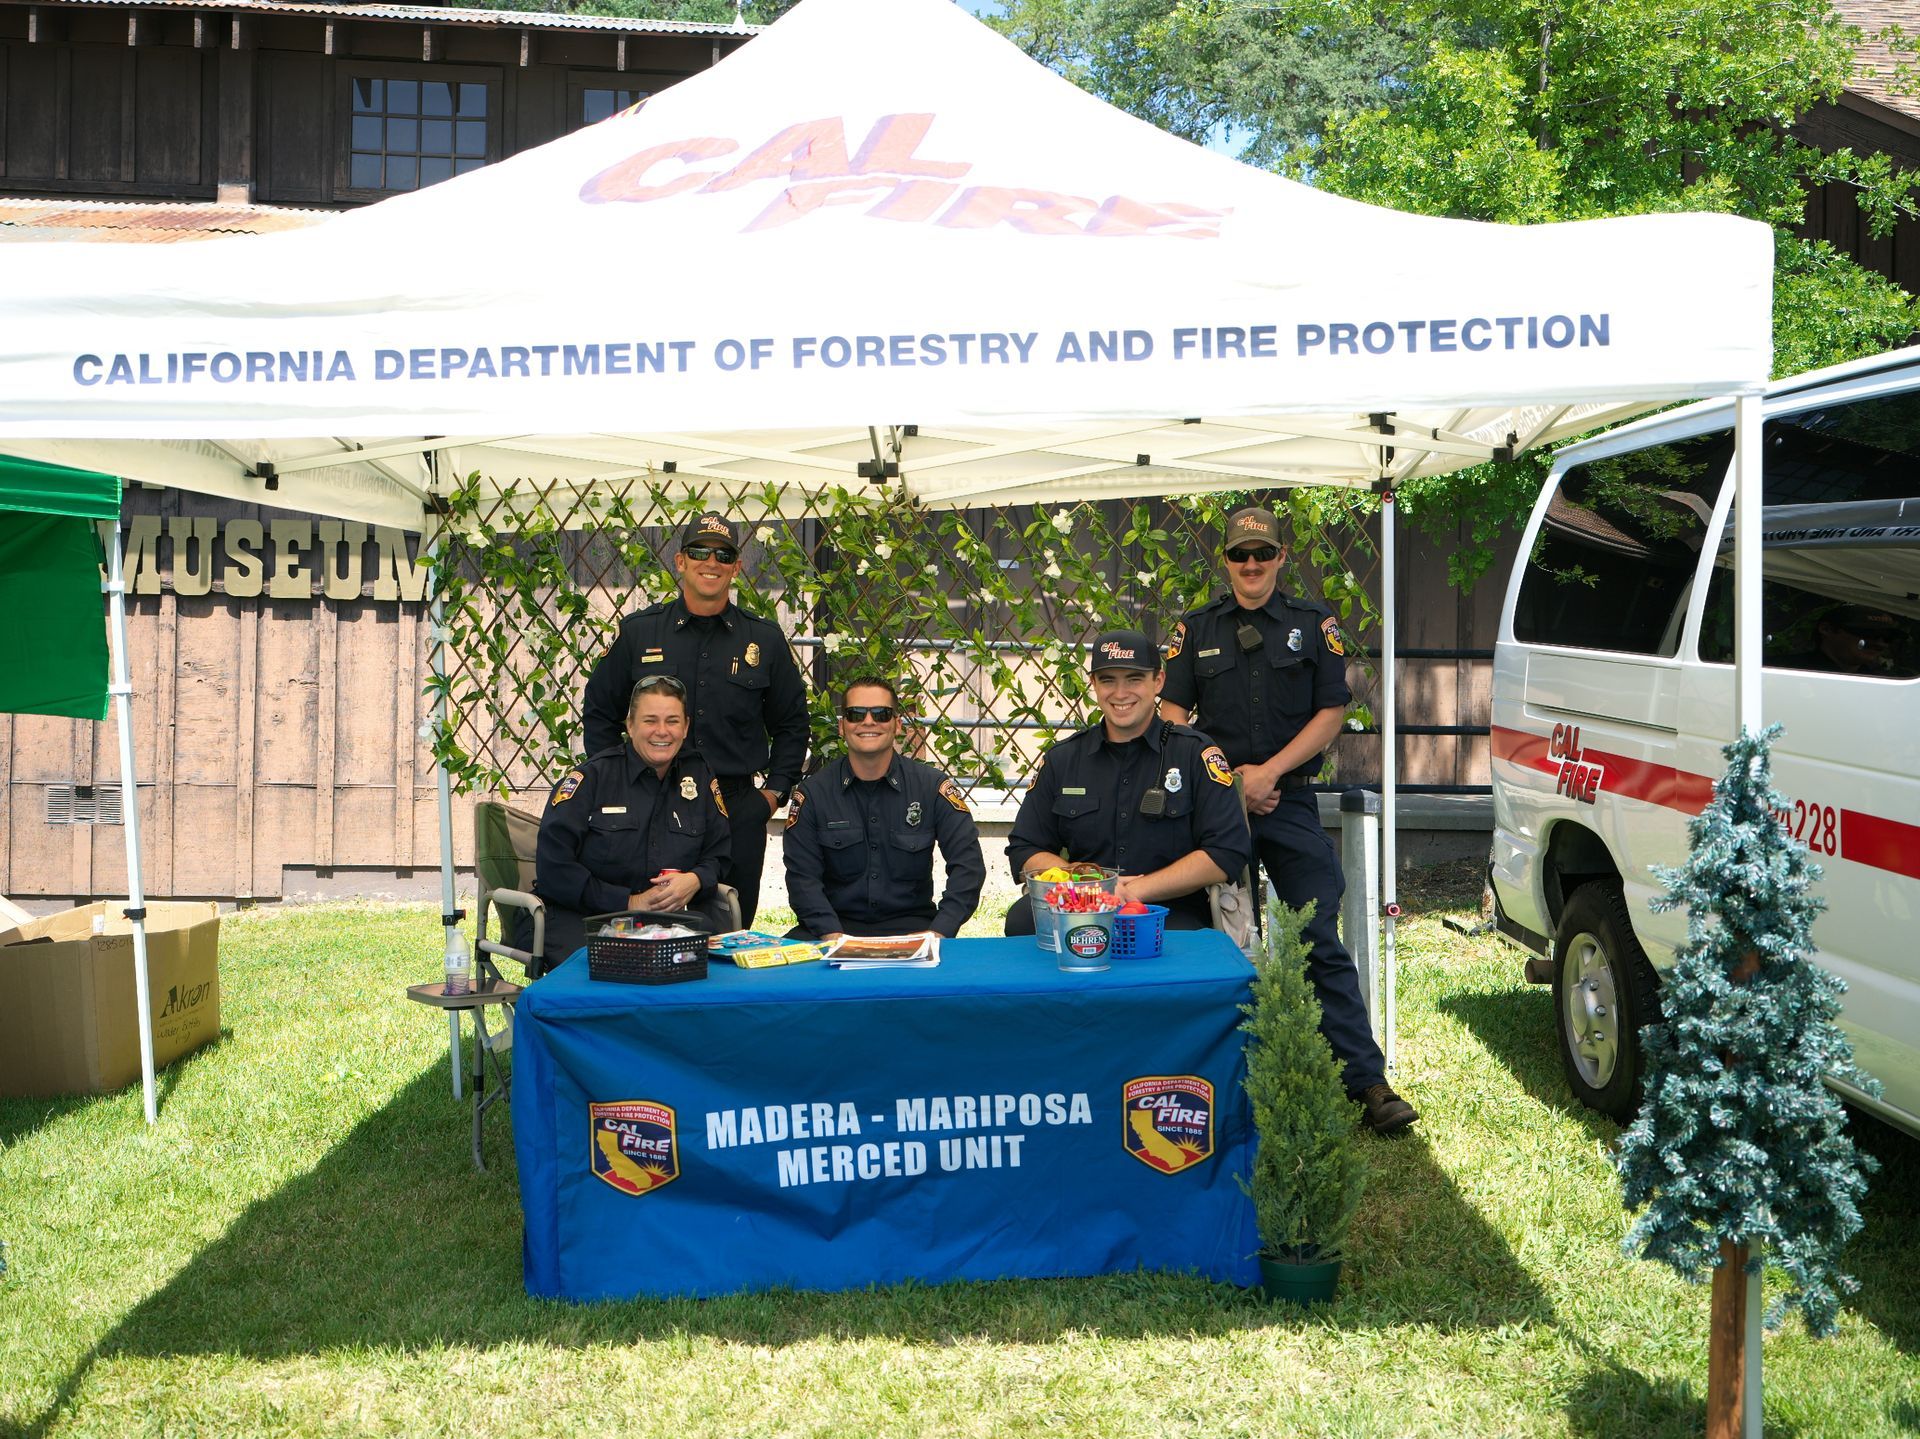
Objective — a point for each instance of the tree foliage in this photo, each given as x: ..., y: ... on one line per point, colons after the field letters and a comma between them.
x: 1738, y: 1139
x: 1309, y: 1168
x: 1517, y: 111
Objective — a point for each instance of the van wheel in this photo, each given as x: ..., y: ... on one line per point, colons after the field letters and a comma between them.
x: 1604, y: 990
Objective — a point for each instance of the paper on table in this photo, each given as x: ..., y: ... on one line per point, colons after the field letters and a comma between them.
x: 885, y: 951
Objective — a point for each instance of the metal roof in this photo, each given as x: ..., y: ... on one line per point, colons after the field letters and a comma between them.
x: 439, y: 15
x: 126, y: 222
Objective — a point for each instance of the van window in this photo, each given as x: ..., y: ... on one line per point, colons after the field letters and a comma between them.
x: 1618, y: 547
x: 1840, y: 540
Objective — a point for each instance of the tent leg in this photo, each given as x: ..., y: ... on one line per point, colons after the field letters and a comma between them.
x: 1389, y: 776
x: 136, y: 910
x: 1748, y: 624
x: 443, y: 784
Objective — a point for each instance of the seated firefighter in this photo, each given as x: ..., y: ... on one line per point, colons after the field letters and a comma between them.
x: 1136, y: 793
x: 640, y: 825
x: 860, y: 834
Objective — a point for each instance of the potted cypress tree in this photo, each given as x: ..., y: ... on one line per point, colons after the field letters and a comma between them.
x: 1309, y: 1165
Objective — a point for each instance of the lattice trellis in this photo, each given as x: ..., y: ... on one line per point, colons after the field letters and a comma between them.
x: 982, y: 616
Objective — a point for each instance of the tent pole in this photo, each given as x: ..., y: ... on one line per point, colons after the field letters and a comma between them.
x: 136, y: 908
x: 1389, y: 772
x: 1748, y: 624
x: 443, y: 785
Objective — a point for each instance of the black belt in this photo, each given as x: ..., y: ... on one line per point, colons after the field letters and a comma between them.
x: 1295, y: 781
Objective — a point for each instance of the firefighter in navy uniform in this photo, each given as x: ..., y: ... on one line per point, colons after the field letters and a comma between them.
x: 861, y: 833
x: 1137, y: 793
x: 747, y: 703
x: 641, y: 825
x: 1266, y: 676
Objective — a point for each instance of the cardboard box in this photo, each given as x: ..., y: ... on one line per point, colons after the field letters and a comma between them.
x: 68, y: 1022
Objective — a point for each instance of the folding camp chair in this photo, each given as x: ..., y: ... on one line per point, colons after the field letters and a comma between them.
x: 503, y: 849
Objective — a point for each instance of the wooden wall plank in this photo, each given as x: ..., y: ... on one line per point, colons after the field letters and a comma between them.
x: 6, y: 802
x: 247, y: 707
x: 409, y: 710
x: 326, y: 709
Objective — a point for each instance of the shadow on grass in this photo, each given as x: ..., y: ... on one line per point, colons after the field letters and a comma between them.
x: 393, y: 1241
x: 1517, y: 1027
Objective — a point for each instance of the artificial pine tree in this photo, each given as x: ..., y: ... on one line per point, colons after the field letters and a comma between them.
x: 1738, y: 1146
x: 1309, y: 1168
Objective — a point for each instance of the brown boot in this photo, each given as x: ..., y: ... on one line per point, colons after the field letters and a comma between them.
x: 1386, y: 1112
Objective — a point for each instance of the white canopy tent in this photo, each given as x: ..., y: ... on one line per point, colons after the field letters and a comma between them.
x: 877, y: 243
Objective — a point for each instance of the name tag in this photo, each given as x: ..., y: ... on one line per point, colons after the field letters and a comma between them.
x: 613, y: 809
x: 1208, y: 654
x: 839, y: 824
x: 1073, y: 789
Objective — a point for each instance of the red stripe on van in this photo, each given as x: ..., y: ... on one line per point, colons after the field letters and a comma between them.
x: 1888, y: 844
x: 1869, y: 839
x: 1627, y: 777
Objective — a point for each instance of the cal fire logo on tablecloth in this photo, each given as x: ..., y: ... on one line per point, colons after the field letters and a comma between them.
x: 1167, y: 1120
x: 634, y: 1145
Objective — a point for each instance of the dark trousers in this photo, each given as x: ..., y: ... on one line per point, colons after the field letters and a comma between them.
x: 747, y: 815
x: 1020, y: 917
x: 1300, y: 859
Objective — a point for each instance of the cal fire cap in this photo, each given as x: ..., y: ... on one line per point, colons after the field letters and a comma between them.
x: 1251, y: 527
x: 1124, y: 650
x: 710, y: 529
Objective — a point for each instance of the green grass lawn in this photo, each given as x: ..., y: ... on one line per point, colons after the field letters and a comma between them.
x: 301, y: 1246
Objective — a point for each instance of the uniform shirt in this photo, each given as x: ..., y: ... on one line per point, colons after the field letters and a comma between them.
x: 1253, y: 702
x: 1086, y: 804
x: 612, y: 825
x: 746, y: 704
x: 859, y: 852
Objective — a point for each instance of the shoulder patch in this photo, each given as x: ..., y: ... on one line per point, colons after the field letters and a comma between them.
x: 1330, y: 632
x: 1216, y: 763
x: 718, y: 803
x: 793, y: 807
x: 563, y: 791
x: 950, y: 792
x: 1178, y: 642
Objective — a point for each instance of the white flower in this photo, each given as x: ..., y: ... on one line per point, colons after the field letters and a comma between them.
x: 986, y: 596
x: 1144, y: 576
x: 834, y: 641
x: 862, y: 568
x: 1353, y: 723
x: 930, y: 569
x: 1052, y: 571
x: 1063, y: 521
x: 883, y: 550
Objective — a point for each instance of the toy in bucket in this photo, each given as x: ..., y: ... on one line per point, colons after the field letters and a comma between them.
x: 1086, y: 878
x: 1139, y: 931
x: 640, y: 946
x: 1081, y: 922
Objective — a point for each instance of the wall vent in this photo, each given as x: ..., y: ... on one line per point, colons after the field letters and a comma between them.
x: 83, y: 804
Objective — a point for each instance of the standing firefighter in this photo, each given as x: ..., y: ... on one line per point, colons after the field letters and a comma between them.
x: 747, y: 705
x: 1266, y: 675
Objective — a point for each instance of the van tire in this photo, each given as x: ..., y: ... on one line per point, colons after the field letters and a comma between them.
x: 1604, y: 991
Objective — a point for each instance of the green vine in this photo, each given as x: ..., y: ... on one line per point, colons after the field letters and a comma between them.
x: 982, y: 615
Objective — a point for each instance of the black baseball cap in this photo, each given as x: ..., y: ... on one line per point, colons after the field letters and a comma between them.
x: 1252, y: 527
x: 1124, y: 650
x: 711, y: 529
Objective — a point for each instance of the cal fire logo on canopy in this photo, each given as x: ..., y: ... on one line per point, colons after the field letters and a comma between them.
x: 1167, y: 1120
x: 634, y: 1144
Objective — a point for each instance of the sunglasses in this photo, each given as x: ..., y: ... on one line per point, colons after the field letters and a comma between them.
x: 726, y: 554
x: 854, y: 714
x: 670, y: 683
x: 1259, y: 554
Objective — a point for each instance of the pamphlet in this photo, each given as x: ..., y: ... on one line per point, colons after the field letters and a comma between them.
x: 754, y: 949
x: 885, y: 951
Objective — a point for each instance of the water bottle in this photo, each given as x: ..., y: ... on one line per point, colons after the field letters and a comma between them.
x: 459, y: 963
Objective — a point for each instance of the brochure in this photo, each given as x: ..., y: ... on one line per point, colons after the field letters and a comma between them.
x: 885, y: 951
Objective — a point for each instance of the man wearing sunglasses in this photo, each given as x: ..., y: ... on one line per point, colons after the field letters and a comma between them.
x: 861, y: 832
x: 746, y: 703
x: 1266, y: 674
x: 1137, y: 793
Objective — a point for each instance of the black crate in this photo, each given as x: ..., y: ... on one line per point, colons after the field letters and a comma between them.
x: 622, y: 959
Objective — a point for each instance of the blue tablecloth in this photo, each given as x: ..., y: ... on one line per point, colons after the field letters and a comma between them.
x: 829, y: 1129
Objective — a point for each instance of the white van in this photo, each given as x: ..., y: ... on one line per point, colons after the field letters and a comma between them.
x: 1613, y: 694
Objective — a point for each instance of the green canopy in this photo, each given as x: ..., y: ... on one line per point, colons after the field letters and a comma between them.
x: 53, y: 648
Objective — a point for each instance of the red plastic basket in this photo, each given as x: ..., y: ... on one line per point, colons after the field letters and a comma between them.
x: 1140, y: 936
